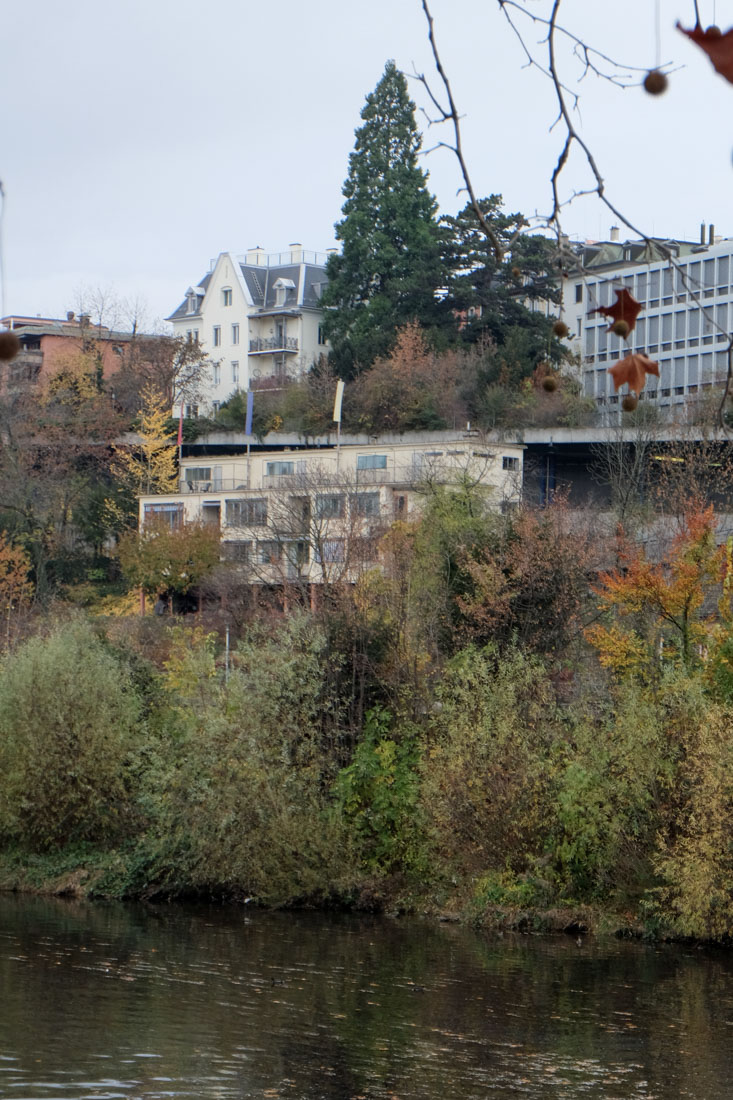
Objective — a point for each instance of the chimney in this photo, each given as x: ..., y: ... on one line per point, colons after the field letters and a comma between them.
x: 711, y: 234
x: 296, y: 252
x: 702, y: 232
x: 614, y: 233
x: 256, y: 255
x: 84, y: 319
x: 70, y: 315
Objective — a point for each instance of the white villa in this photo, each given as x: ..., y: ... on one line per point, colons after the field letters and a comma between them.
x: 316, y: 514
x: 257, y: 316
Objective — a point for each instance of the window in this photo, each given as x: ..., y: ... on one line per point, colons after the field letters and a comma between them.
x: 297, y: 553
x: 400, y: 505
x: 196, y: 476
x: 235, y: 372
x: 280, y: 469
x: 371, y: 462
x: 164, y: 513
x: 365, y: 504
x: 579, y: 292
x: 192, y: 305
x: 330, y: 550
x: 247, y: 513
x: 268, y: 552
x: 235, y: 334
x: 237, y: 550
x: 217, y: 336
x: 321, y: 335
x: 300, y: 509
x: 191, y: 412
x: 329, y: 505
x: 226, y: 296
x: 216, y: 373
x: 215, y: 406
x: 509, y: 462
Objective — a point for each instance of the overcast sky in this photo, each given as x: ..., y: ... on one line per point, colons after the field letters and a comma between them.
x: 142, y: 138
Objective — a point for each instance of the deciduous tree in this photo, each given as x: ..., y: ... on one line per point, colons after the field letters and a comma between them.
x: 657, y: 607
x: 162, y: 558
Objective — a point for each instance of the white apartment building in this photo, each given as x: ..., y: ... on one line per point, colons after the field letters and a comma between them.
x: 257, y: 316
x: 686, y: 315
x: 316, y: 515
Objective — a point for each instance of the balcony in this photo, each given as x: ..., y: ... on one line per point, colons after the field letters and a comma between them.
x: 266, y: 345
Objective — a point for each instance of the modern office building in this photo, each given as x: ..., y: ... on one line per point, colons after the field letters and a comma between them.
x: 684, y: 323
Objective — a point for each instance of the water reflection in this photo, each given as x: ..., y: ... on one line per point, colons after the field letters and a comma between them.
x: 112, y: 1001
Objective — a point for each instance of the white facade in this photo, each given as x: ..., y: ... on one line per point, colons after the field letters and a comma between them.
x: 316, y: 515
x: 257, y: 317
x: 686, y: 316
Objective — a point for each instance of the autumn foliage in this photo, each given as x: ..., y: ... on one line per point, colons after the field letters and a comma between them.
x: 633, y: 369
x: 625, y: 310
x: 718, y: 47
x: 660, y: 610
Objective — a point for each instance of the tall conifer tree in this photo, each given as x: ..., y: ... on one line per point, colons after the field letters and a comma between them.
x: 390, y: 265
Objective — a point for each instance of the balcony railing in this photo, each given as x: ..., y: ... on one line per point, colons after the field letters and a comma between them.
x: 318, y: 479
x: 265, y: 345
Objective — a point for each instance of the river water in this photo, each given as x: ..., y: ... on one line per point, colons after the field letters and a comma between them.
x: 169, y: 1001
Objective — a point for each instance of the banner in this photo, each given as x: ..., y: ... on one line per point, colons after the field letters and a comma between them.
x: 337, y: 402
x: 250, y: 407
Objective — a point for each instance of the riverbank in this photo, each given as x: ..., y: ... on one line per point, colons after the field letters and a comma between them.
x: 313, y: 769
x: 97, y: 877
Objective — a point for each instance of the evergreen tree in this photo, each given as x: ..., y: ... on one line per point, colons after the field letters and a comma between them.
x: 391, y: 264
x: 494, y: 299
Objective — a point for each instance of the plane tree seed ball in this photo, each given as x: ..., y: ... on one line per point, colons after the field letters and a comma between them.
x: 655, y: 82
x: 714, y: 32
x: 549, y: 383
x: 629, y: 403
x: 9, y: 345
x: 561, y: 329
x: 621, y: 328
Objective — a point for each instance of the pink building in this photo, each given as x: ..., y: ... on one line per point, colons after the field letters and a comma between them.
x: 48, y: 344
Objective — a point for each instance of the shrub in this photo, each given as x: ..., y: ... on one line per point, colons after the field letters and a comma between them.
x: 68, y: 729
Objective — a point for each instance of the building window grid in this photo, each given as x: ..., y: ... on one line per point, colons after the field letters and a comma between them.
x: 685, y: 333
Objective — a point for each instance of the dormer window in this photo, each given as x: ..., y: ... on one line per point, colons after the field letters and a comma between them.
x: 281, y: 288
x: 194, y: 294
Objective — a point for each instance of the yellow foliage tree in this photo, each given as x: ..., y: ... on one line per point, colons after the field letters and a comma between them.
x: 659, y: 606
x: 149, y: 466
x: 16, y: 589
